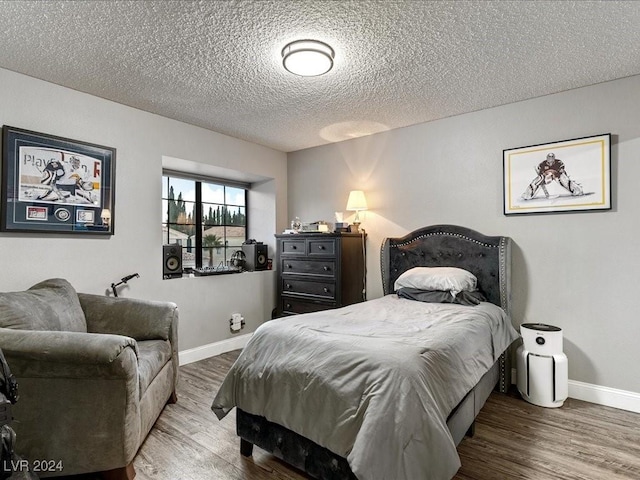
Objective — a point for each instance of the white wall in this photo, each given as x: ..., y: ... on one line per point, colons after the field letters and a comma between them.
x: 142, y: 140
x: 574, y: 270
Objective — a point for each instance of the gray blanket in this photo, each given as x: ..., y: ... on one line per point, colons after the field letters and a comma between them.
x: 373, y: 382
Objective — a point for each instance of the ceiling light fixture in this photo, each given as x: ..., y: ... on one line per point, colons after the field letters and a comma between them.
x: 307, y: 58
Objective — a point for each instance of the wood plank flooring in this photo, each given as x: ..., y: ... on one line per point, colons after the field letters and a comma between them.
x: 513, y: 440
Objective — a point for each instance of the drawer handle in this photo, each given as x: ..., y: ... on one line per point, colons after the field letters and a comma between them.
x: 325, y: 268
x: 289, y: 265
x: 288, y: 285
x: 321, y: 247
x: 294, y: 247
x: 288, y: 305
x: 326, y: 290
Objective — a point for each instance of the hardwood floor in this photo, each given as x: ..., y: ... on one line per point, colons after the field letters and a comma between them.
x: 513, y: 439
x: 580, y: 440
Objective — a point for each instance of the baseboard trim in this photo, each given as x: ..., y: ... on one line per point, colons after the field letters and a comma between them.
x: 609, y: 397
x: 605, y: 396
x: 212, y: 349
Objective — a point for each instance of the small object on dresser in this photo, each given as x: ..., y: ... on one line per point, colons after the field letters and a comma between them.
x: 319, y: 226
x: 341, y: 227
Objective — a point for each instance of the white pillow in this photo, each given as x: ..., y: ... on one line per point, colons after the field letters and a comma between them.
x: 452, y: 279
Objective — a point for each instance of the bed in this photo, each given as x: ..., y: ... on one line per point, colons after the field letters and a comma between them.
x: 386, y: 388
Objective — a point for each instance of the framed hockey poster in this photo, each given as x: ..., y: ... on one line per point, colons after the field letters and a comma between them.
x: 567, y: 176
x: 56, y: 185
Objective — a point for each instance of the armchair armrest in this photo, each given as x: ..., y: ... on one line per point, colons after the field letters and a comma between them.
x: 51, y: 354
x: 139, y: 319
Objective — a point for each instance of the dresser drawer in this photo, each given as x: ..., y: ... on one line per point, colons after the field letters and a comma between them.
x: 293, y: 247
x: 325, y: 290
x: 319, y: 247
x: 290, y: 305
x: 294, y: 266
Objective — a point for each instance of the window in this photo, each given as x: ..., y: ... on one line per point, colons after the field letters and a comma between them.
x: 207, y: 219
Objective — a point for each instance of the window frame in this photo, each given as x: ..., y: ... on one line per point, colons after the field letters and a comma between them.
x: 199, y: 225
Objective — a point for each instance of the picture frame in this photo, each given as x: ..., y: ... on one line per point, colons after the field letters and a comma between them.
x: 56, y: 185
x: 566, y: 176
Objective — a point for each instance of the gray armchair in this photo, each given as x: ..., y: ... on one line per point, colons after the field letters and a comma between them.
x: 93, y: 372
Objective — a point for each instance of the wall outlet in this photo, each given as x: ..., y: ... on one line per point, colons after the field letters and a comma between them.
x: 236, y: 322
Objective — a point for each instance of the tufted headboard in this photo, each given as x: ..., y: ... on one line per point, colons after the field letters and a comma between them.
x: 488, y: 258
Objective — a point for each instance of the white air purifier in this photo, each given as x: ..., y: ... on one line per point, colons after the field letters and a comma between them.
x: 542, y: 368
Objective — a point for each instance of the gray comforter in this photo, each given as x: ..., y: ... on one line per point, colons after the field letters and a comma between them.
x: 372, y: 382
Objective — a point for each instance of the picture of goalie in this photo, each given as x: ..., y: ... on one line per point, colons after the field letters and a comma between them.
x: 64, y: 177
x: 549, y: 170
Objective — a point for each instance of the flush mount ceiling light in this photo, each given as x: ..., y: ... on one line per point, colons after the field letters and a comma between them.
x: 308, y: 58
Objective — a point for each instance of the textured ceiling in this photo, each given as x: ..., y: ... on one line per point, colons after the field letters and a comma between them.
x: 217, y: 64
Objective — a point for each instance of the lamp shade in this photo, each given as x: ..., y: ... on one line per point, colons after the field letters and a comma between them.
x: 357, y: 201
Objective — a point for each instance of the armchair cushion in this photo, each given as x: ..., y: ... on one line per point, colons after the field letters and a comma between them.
x: 152, y: 357
x: 51, y: 305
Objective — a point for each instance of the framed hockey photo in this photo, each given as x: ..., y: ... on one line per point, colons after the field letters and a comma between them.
x: 567, y: 176
x: 56, y: 185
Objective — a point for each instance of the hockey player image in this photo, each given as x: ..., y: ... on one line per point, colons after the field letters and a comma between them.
x: 549, y: 170
x: 66, y: 179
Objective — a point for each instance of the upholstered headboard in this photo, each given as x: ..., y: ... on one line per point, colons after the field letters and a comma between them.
x: 488, y: 258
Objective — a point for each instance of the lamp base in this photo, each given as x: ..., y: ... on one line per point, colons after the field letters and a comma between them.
x: 354, y: 228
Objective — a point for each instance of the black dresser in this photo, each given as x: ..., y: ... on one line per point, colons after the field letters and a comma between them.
x: 318, y: 271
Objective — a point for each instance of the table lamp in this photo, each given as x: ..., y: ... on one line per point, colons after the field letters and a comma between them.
x: 357, y: 202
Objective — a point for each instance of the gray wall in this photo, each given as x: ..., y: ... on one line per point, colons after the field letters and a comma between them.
x: 574, y: 270
x: 143, y: 141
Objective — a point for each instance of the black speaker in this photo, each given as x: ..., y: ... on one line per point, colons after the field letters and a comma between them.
x: 171, y: 261
x: 255, y: 256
